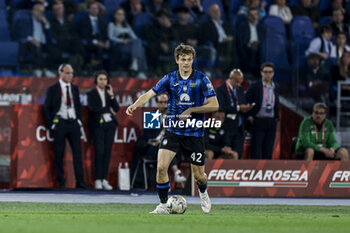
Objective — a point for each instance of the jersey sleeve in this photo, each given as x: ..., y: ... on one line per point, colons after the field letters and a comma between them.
x: 162, y: 85
x: 207, y: 88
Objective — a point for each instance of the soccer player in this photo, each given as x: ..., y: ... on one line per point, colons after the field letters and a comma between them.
x: 187, y: 90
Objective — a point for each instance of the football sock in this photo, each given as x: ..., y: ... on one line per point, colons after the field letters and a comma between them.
x: 202, y: 188
x: 163, y: 191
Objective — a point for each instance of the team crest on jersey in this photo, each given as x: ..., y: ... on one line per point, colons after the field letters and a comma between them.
x: 184, y: 97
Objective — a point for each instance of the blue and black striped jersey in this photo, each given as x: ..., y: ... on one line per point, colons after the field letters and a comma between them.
x: 184, y: 94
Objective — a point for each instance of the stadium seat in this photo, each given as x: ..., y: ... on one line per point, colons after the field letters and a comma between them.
x: 324, y: 20
x: 292, y: 3
x: 111, y: 5
x: 274, y: 24
x: 175, y: 3
x: 140, y: 22
x: 234, y: 6
x: 207, y: 3
x: 76, y: 2
x: 2, y: 4
x: 323, y: 5
x: 301, y: 29
x: 144, y: 163
x: 4, y: 27
x: 16, y: 3
x: 9, y: 54
x: 17, y: 27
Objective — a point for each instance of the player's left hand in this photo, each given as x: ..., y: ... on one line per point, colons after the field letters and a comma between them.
x: 186, y: 114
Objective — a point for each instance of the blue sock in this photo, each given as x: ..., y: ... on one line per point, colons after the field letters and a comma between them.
x: 163, y: 192
x: 202, y: 188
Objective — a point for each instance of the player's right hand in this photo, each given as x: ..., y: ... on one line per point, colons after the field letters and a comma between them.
x: 130, y: 110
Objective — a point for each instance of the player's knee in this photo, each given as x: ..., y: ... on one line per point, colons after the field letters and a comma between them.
x: 200, y: 177
x: 162, y: 169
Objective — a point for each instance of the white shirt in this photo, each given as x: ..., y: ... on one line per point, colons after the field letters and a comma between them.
x: 94, y: 23
x: 63, y: 112
x: 220, y: 30
x: 101, y: 92
x: 38, y: 31
x: 315, y: 47
x: 253, y: 33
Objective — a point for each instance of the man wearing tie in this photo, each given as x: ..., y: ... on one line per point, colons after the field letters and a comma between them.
x: 322, y: 45
x: 62, y: 111
x: 232, y: 101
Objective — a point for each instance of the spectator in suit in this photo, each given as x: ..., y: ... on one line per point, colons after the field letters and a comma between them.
x: 132, y: 8
x: 341, y: 72
x: 315, y: 78
x: 69, y: 8
x: 217, y: 144
x: 196, y: 10
x: 316, y: 139
x: 217, y: 34
x: 157, y: 5
x: 159, y: 42
x: 186, y: 32
x: 264, y: 95
x: 306, y: 8
x: 84, y: 6
x: 67, y: 43
x: 281, y: 10
x: 322, y: 45
x: 93, y: 33
x: 35, y: 37
x: 340, y: 45
x: 248, y: 41
x: 125, y: 41
x: 253, y: 4
x: 102, y: 125
x: 336, y: 4
x: 338, y: 24
x: 232, y: 101
x: 62, y: 111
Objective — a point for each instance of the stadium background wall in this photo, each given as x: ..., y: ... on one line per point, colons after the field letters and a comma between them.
x: 31, y: 162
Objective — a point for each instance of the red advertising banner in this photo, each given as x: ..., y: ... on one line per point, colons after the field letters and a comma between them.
x: 32, y: 155
x: 277, y: 178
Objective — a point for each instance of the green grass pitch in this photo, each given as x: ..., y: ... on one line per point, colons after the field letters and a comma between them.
x: 85, y: 218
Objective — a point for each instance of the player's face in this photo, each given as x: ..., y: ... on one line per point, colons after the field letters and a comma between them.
x: 67, y: 74
x: 102, y: 81
x: 185, y: 63
x: 318, y: 115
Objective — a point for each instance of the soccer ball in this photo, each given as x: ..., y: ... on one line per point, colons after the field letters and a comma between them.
x: 176, y: 204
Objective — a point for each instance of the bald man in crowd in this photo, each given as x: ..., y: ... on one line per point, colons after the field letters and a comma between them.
x: 232, y: 101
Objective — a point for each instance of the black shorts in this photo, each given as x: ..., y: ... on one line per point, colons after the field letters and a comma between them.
x: 317, y: 156
x: 192, y: 147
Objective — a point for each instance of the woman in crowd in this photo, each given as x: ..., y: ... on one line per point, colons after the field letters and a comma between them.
x: 124, y: 41
x: 102, y: 125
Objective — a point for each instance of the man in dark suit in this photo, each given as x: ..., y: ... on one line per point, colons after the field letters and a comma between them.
x: 102, y: 125
x: 264, y: 95
x: 93, y: 33
x: 62, y: 111
x: 232, y: 101
x: 217, y: 34
x: 34, y: 36
x: 249, y: 36
x: 67, y: 43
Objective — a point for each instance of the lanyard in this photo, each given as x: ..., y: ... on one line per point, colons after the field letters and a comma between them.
x: 322, y: 132
x: 64, y: 98
x: 267, y: 99
x: 230, y: 94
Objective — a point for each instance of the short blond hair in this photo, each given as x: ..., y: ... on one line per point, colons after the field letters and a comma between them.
x: 183, y: 49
